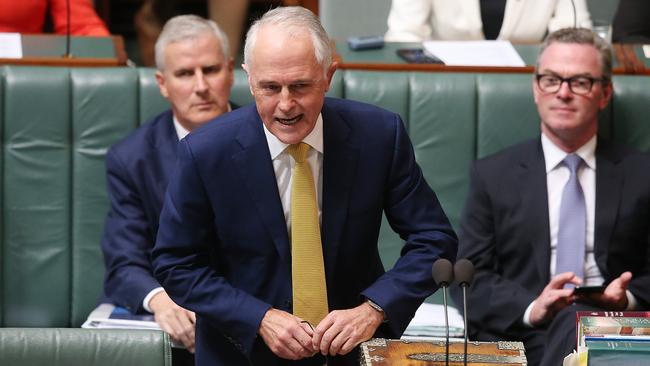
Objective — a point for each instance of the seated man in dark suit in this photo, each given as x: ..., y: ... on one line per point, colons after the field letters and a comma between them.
x: 564, y: 209
x: 270, y: 223
x: 195, y: 73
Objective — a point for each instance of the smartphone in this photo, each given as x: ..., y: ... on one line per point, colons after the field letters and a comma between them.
x: 418, y: 56
x: 586, y: 290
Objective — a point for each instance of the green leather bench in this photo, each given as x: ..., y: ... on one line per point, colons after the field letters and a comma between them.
x: 57, y: 123
x: 83, y: 347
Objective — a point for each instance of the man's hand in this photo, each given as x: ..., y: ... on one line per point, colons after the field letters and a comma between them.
x: 173, y: 319
x: 614, y: 297
x: 342, y: 330
x: 286, y: 335
x: 553, y: 298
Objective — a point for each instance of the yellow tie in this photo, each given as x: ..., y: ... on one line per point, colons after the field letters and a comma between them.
x: 307, y: 265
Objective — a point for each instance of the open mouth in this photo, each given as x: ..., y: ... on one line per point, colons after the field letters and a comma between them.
x: 289, y: 121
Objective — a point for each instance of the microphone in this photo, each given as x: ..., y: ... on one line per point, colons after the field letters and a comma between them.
x: 67, y: 31
x: 464, y: 273
x: 443, y: 275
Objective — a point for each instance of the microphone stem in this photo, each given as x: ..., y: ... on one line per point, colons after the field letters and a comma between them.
x: 444, y: 300
x: 465, y: 320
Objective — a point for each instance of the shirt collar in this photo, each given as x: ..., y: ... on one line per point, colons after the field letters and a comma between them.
x: 181, y: 131
x: 314, y: 139
x: 553, y: 155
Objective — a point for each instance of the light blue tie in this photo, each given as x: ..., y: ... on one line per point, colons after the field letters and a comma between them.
x: 573, y: 223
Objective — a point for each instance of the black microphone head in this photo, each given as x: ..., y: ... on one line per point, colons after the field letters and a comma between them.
x: 464, y: 272
x: 443, y: 272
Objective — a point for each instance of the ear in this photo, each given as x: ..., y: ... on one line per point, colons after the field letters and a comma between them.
x: 250, y: 79
x: 230, y: 66
x: 608, y: 91
x: 160, y: 78
x: 330, y: 74
x: 536, y: 90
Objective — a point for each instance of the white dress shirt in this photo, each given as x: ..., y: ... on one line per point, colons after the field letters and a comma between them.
x: 283, y: 165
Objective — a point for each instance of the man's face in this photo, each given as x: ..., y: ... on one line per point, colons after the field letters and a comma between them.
x: 570, y: 119
x: 196, y: 80
x: 287, y: 82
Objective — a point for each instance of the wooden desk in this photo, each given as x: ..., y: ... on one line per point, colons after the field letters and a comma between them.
x: 628, y: 59
x: 49, y: 50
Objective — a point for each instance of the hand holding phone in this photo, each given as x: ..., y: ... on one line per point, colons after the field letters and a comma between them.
x: 587, y: 290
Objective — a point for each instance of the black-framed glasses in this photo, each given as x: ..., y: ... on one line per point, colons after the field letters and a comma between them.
x: 549, y: 83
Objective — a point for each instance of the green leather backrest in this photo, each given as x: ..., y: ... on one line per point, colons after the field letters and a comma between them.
x: 83, y: 347
x: 57, y: 123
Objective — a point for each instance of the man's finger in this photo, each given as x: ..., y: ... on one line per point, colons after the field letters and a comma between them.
x: 319, y: 331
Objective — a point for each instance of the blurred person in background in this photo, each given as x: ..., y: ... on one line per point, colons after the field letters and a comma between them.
x: 512, y: 20
x: 148, y: 21
x: 563, y: 209
x: 195, y: 73
x: 632, y: 22
x: 28, y: 16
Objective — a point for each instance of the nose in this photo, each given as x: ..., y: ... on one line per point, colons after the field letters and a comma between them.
x: 565, y: 91
x: 200, y: 85
x: 286, y: 100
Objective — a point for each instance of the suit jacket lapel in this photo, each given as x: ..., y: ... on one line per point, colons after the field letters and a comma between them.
x: 339, y: 165
x: 255, y: 168
x: 609, y: 181
x: 534, y: 196
x: 163, y: 143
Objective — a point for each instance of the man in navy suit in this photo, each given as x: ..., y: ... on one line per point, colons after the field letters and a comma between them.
x: 195, y: 73
x: 224, y: 249
x: 513, y: 223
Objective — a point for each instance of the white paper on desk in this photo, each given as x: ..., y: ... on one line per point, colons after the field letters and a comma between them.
x: 475, y: 53
x: 10, y: 45
x: 429, y: 320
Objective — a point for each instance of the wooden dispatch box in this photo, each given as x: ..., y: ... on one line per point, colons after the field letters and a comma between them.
x: 396, y: 352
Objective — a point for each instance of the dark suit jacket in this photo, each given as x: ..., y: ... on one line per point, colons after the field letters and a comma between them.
x: 505, y: 231
x: 138, y: 169
x: 223, y: 249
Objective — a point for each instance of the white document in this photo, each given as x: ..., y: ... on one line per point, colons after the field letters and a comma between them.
x: 475, y: 53
x: 429, y: 320
x: 108, y: 316
x: 646, y: 50
x: 10, y: 45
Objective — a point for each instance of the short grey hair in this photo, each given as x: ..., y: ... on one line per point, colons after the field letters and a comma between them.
x: 582, y: 36
x: 294, y: 20
x: 184, y: 27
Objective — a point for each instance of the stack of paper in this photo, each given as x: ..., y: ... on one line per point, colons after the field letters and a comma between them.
x: 429, y: 321
x: 110, y: 316
x: 475, y: 53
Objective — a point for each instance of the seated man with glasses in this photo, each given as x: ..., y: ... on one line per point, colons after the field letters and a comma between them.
x: 565, y: 209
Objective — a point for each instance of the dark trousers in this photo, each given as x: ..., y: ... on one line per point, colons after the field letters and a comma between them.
x: 181, y: 357
x: 549, y: 346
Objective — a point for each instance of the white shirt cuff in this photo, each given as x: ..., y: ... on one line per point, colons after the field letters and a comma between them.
x: 145, y: 302
x: 526, y: 318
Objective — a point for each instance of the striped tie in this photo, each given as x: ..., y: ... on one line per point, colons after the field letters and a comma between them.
x: 307, y: 265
